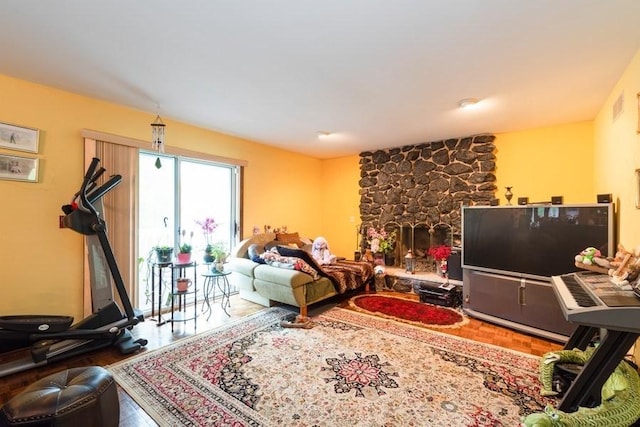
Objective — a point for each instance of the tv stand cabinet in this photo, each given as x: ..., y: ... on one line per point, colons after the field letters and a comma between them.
x: 523, y: 304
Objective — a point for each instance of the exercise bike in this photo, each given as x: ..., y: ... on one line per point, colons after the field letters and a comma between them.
x: 51, y: 338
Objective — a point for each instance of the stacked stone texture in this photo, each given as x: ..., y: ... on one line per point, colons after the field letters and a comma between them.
x: 427, y: 183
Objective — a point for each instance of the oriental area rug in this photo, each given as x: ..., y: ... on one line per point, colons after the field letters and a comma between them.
x: 349, y: 369
x: 408, y: 311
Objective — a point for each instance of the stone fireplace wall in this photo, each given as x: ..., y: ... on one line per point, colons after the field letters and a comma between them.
x: 422, y: 186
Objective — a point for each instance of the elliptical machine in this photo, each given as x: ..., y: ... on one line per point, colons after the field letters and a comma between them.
x: 54, y: 338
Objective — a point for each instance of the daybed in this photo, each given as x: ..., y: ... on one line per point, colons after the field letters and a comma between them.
x: 288, y: 284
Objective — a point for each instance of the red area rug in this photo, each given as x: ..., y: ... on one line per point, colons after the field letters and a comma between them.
x: 408, y: 311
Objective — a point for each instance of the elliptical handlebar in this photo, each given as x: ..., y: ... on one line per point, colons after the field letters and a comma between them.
x: 81, y: 215
x: 89, y: 177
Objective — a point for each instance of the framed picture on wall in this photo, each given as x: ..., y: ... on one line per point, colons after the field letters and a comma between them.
x: 19, y: 138
x: 18, y: 168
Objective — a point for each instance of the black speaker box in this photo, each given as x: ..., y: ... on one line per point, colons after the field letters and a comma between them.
x: 556, y: 200
x: 523, y: 200
x: 454, y: 265
x: 604, y: 198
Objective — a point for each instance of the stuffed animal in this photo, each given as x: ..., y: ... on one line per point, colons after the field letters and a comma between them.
x: 620, y: 406
x: 587, y: 256
x: 321, y: 253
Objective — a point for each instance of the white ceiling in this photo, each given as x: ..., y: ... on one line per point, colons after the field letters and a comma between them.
x: 377, y: 73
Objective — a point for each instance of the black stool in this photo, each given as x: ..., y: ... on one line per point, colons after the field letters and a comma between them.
x: 85, y: 396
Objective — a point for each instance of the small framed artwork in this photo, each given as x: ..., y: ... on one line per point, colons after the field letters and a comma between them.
x: 19, y: 168
x: 19, y: 138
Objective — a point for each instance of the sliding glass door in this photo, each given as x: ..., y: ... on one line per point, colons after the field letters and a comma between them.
x: 174, y: 201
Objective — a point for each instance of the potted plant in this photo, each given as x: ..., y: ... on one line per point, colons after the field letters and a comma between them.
x: 184, y: 253
x: 208, y: 254
x: 220, y: 255
x: 184, y: 249
x: 163, y: 254
x: 208, y: 226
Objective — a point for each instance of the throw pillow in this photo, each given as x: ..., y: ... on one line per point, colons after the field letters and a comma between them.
x: 289, y: 238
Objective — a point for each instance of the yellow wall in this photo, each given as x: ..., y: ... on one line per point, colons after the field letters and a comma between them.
x: 42, y: 264
x: 545, y: 162
x: 617, y: 156
x: 617, y: 153
x: 340, y: 203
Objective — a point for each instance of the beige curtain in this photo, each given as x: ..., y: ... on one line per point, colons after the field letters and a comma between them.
x: 119, y: 212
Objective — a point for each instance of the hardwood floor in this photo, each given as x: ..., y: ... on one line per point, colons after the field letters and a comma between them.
x: 131, y: 415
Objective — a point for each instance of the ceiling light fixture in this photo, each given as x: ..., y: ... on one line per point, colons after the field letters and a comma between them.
x: 323, y: 134
x: 467, y: 102
x: 157, y: 138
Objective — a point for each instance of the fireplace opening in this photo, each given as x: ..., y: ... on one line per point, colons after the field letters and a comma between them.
x: 419, y: 239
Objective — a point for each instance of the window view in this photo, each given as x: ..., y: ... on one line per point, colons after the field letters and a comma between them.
x: 188, y: 204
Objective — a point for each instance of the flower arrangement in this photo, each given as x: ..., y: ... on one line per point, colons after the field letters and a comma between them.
x: 380, y: 240
x: 208, y: 227
x: 439, y: 253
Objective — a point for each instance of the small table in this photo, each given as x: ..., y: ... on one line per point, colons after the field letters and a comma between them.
x: 177, y: 271
x: 160, y: 266
x: 213, y: 279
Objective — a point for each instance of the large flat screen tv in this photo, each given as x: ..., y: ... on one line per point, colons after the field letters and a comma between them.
x: 535, y: 241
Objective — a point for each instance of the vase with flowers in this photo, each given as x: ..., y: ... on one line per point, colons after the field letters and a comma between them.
x: 440, y: 254
x: 381, y: 243
x: 208, y: 227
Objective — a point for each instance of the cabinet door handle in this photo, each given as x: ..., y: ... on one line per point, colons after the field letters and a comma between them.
x: 521, y: 293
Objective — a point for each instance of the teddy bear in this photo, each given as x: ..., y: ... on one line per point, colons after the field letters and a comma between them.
x: 321, y: 253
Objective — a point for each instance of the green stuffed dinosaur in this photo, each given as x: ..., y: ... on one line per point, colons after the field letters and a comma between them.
x: 620, y: 394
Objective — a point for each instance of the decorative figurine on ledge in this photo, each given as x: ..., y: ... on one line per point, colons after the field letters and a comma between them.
x: 508, y: 195
x: 410, y: 263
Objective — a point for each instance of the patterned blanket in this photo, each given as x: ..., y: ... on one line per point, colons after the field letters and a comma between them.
x: 348, y: 275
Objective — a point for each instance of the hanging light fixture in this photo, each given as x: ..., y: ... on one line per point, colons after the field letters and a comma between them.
x: 157, y: 138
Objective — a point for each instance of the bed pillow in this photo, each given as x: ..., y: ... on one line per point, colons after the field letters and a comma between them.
x: 303, y: 255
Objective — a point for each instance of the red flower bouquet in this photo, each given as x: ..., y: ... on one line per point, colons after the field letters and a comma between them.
x: 439, y: 253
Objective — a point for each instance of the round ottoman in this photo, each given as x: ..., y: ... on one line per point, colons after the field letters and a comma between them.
x: 85, y: 396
